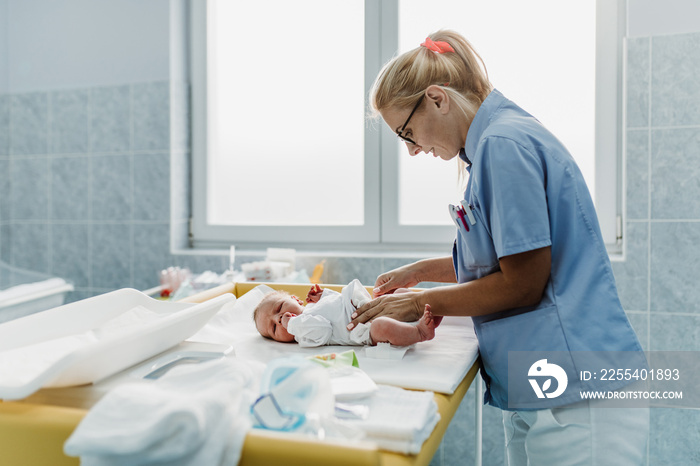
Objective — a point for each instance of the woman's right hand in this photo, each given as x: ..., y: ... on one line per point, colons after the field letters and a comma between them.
x: 388, y: 282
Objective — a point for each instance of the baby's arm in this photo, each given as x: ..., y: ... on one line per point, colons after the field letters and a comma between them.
x: 310, y: 330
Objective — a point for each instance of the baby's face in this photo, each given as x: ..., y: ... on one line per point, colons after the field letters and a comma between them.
x: 273, y: 316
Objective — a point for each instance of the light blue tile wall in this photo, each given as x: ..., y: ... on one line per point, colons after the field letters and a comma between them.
x: 151, y: 188
x: 5, y: 204
x: 658, y: 281
x: 29, y: 123
x: 151, y: 116
x: 85, y: 193
x: 69, y: 252
x: 637, y: 165
x: 110, y: 119
x: 85, y: 184
x: 70, y: 188
x: 68, y: 124
x: 675, y: 88
x: 4, y: 125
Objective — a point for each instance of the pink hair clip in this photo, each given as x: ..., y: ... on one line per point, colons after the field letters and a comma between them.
x: 438, y: 46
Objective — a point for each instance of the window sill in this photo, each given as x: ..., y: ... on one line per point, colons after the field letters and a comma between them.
x: 364, y: 251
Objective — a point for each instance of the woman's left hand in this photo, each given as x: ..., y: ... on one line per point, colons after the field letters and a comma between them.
x: 405, y: 307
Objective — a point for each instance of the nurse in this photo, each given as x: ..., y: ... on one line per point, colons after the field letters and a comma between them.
x: 530, y: 266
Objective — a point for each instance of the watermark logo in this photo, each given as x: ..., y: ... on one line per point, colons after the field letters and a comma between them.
x: 609, y: 379
x: 542, y: 369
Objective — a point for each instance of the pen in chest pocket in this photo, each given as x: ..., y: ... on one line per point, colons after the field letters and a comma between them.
x: 462, y: 216
x: 467, y: 209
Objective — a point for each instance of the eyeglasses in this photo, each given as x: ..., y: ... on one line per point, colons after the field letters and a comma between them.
x: 400, y: 132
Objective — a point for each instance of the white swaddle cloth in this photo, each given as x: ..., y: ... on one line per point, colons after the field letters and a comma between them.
x: 325, y: 322
x: 193, y: 415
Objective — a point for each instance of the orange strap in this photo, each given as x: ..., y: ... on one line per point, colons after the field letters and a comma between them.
x: 437, y: 46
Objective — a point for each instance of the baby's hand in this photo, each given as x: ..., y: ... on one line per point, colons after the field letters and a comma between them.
x: 314, y: 294
x: 285, y: 319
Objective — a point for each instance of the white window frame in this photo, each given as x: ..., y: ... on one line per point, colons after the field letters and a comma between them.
x: 611, y: 28
x: 382, y: 231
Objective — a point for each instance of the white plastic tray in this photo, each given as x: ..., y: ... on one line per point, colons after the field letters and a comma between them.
x: 100, y: 359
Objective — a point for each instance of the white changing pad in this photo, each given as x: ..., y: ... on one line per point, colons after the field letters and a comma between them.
x: 89, y: 340
x: 438, y: 365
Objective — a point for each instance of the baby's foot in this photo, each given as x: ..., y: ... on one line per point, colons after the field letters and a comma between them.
x: 426, y: 325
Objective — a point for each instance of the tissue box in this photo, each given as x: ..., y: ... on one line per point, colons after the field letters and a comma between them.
x: 266, y: 271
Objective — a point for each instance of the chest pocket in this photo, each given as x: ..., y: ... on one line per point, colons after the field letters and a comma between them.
x: 476, y: 255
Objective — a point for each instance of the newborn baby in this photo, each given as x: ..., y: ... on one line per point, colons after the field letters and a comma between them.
x: 283, y: 317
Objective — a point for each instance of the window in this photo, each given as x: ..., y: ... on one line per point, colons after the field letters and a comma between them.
x: 283, y: 153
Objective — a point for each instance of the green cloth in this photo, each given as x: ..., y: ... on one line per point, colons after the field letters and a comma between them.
x: 346, y: 358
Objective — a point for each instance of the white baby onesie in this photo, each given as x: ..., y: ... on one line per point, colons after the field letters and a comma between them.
x: 325, y: 322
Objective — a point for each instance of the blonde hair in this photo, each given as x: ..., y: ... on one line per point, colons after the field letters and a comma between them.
x: 404, y: 79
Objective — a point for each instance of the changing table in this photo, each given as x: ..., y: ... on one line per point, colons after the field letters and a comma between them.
x: 33, y: 431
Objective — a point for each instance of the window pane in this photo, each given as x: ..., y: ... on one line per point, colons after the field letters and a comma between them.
x: 541, y: 55
x: 285, y: 146
x: 426, y: 186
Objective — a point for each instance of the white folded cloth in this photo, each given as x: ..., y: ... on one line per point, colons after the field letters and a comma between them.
x: 193, y: 415
x: 18, y: 291
x: 386, y: 351
x: 399, y: 420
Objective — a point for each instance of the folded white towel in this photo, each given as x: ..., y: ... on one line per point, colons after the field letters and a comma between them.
x: 399, y: 420
x: 23, y: 290
x: 193, y: 415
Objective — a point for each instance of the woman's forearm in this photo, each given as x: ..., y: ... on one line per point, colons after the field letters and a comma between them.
x: 439, y: 269
x: 520, y: 282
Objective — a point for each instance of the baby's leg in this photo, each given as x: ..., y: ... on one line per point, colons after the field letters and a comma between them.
x: 386, y: 329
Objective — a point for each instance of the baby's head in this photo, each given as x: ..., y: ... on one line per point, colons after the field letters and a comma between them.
x: 273, y: 313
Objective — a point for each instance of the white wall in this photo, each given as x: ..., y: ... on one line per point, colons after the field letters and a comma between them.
x: 658, y: 17
x: 55, y: 44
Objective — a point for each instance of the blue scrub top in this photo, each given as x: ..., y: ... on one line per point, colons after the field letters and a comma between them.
x: 526, y: 192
